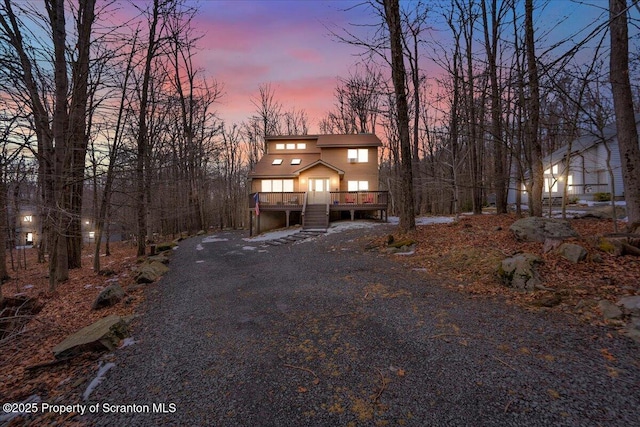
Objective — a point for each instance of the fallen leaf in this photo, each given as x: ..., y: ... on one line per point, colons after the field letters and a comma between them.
x: 607, y: 354
x: 553, y: 393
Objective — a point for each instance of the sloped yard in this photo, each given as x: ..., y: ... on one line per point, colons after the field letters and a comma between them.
x: 465, y: 254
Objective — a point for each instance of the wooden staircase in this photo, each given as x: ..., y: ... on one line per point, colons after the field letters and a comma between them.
x: 315, y: 218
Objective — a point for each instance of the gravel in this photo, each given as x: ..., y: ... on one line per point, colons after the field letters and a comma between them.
x: 322, y: 332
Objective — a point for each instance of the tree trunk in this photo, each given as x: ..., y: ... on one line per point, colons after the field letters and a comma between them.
x: 142, y: 138
x: 623, y: 105
x: 58, y: 264
x: 537, y: 170
x: 398, y: 74
x: 491, y: 46
x: 3, y: 233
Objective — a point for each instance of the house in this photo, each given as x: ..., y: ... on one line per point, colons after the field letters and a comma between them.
x: 594, y: 168
x: 312, y: 179
x: 27, y: 227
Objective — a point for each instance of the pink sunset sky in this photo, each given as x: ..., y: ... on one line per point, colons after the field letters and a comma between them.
x: 288, y: 45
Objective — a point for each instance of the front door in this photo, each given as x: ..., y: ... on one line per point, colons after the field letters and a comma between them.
x: 318, y: 190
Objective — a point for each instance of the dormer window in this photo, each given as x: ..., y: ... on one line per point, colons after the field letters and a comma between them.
x: 291, y: 146
x: 276, y: 162
x: 279, y: 146
x: 27, y: 218
x: 302, y: 146
x: 296, y: 161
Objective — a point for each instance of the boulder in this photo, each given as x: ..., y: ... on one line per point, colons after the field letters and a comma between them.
x: 161, y: 258
x: 105, y: 334
x: 605, y: 212
x: 109, y: 296
x: 536, y: 229
x: 609, y: 310
x: 520, y: 271
x: 631, y: 304
x: 149, y: 272
x: 572, y: 252
x: 551, y: 245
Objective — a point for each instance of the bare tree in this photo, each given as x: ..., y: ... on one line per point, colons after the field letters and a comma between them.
x: 268, y: 114
x: 533, y: 145
x: 392, y: 16
x: 491, y: 39
x: 627, y: 131
x: 357, y: 106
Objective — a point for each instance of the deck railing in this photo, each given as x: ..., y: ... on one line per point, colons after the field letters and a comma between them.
x: 342, y: 199
x: 359, y: 197
x: 277, y: 199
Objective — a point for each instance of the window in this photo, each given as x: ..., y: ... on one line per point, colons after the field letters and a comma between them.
x: 358, y: 185
x: 551, y: 184
x: 291, y: 146
x: 360, y: 155
x: 302, y: 146
x: 570, y: 182
x: 92, y: 234
x: 29, y: 240
x: 296, y: 161
x: 279, y: 146
x: 277, y: 185
x: 552, y: 170
x: 28, y: 218
x: 276, y: 162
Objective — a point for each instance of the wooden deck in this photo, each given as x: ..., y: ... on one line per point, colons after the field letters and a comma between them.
x: 335, y: 201
x: 338, y: 201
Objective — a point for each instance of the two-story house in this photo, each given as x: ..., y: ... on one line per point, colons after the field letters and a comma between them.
x: 594, y: 166
x: 312, y: 179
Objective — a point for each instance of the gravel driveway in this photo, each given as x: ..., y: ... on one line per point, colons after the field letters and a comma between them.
x: 324, y: 333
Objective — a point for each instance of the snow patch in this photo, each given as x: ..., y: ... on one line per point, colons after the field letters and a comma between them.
x: 249, y: 248
x: 127, y: 342
x: 405, y: 253
x: 213, y: 239
x: 199, y: 247
x: 97, y: 380
x: 272, y: 235
x: 199, y: 261
x: 425, y: 220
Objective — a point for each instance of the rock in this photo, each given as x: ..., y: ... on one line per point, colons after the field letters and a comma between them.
x: 609, y: 310
x: 400, y: 243
x: 551, y: 244
x: 105, y: 334
x: 572, y: 252
x: 596, y: 258
x: 519, y: 272
x: 631, y: 304
x: 633, y: 329
x: 536, y: 229
x: 162, y: 258
x: 109, y: 296
x: 605, y: 212
x: 548, y: 301
x: 149, y: 272
x: 619, y: 244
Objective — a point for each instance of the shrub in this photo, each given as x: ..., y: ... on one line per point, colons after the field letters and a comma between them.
x: 601, y: 197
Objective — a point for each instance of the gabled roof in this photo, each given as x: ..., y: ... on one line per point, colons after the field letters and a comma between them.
x: 585, y: 142
x: 345, y: 140
x: 354, y: 140
x: 266, y: 168
x: 320, y: 162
